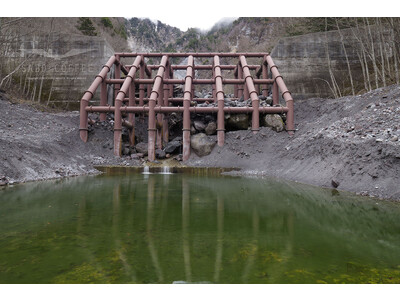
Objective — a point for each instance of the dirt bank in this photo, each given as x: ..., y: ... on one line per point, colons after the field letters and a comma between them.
x: 353, y: 141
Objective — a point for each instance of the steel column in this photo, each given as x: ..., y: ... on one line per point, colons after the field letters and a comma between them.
x: 220, y: 100
x: 285, y: 95
x: 187, y: 97
x: 255, y: 120
x: 152, y: 103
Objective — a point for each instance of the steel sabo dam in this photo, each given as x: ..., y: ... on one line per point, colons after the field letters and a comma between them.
x: 156, y: 94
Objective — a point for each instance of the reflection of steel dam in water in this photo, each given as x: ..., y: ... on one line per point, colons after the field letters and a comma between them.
x: 160, y: 97
x: 125, y: 227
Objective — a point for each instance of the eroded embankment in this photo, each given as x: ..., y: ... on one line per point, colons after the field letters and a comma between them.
x: 353, y: 141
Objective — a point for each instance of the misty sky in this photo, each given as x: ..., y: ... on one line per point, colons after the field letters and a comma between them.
x: 185, y: 22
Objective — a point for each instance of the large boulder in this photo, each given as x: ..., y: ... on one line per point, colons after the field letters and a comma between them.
x: 142, y: 148
x: 238, y: 122
x: 202, y: 144
x: 274, y: 121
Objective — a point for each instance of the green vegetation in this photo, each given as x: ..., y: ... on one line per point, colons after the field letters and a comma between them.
x: 86, y: 26
x: 106, y: 22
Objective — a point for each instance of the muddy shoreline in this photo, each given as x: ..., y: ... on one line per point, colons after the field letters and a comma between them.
x: 352, y: 142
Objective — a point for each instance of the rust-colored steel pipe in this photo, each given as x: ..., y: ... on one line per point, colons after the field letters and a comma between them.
x: 220, y: 101
x: 141, y: 85
x: 152, y: 103
x: 117, y: 75
x: 131, y: 116
x: 118, y: 103
x: 195, y: 81
x: 255, y: 120
x: 264, y: 69
x: 166, y: 103
x: 103, y: 98
x: 194, y: 109
x: 285, y: 95
x: 88, y: 95
x: 187, y: 97
x: 194, y: 54
x: 199, y: 67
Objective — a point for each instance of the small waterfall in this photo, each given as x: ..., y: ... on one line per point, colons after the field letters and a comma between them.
x: 165, y: 170
x: 146, y: 170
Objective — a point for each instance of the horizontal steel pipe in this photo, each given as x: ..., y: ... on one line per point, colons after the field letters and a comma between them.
x: 195, y: 81
x: 194, y: 54
x: 199, y: 67
x: 194, y: 109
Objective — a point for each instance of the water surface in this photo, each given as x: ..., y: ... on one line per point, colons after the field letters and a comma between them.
x: 172, y: 228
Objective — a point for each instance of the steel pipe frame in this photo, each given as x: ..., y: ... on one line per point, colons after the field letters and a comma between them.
x: 187, y: 97
x: 285, y: 94
x: 193, y: 109
x: 255, y: 120
x: 88, y: 95
x: 163, y: 93
x: 118, y: 103
x: 152, y: 103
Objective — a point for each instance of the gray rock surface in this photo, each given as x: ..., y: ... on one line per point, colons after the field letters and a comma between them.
x: 201, y: 144
x: 274, y: 121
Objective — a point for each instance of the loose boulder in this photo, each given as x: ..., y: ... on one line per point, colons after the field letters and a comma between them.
x: 202, y: 144
x: 142, y: 148
x: 199, y: 125
x: 274, y: 121
x: 211, y: 128
x: 160, y: 154
x: 172, y: 147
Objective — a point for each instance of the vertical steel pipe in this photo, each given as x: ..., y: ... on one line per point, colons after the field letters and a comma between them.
x: 240, y: 86
x: 118, y: 103
x: 141, y: 86
x: 264, y: 89
x: 235, y: 87
x: 255, y: 120
x: 103, y: 99
x: 88, y: 95
x: 285, y: 95
x: 152, y: 103
x: 160, y: 117
x: 275, y: 94
x: 117, y: 75
x: 131, y: 116
x: 187, y: 97
x: 166, y: 104
x: 220, y: 100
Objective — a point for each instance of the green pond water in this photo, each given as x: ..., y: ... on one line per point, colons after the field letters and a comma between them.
x: 127, y: 227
